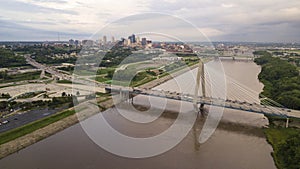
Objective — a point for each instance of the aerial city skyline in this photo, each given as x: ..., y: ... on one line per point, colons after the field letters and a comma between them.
x: 150, y: 84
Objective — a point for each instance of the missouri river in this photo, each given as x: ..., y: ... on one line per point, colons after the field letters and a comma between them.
x: 237, y: 143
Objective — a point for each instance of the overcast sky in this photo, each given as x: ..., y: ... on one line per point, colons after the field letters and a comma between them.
x: 219, y: 20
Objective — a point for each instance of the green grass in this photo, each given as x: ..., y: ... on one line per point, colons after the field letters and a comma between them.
x: 279, y: 135
x: 21, y: 77
x: 103, y: 94
x: 64, y: 81
x: 29, y: 128
x: 85, y: 72
x: 104, y: 71
x: 144, y: 81
x: 101, y: 79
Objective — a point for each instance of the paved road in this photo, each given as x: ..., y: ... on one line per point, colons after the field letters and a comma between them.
x: 18, y: 120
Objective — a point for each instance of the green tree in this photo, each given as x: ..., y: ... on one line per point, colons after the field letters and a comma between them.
x: 289, y: 153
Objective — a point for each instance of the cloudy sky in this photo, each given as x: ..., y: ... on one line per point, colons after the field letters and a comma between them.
x: 219, y: 20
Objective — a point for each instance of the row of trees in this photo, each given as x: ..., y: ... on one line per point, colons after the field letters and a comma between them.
x: 281, y: 80
x: 43, y: 54
x: 9, y: 59
x: 54, y: 103
x: 282, y: 84
x: 289, y: 152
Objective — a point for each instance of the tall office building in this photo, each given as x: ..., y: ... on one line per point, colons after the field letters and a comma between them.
x: 132, y: 38
x: 129, y: 42
x: 144, y: 41
x: 112, y: 39
x: 71, y: 42
x: 104, y: 40
x: 76, y: 42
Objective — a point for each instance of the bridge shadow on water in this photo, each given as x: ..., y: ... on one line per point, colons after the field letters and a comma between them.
x: 236, y: 127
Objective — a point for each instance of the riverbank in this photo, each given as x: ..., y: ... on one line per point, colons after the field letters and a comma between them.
x: 281, y: 80
x: 19, y: 138
x: 22, y: 137
x: 285, y: 142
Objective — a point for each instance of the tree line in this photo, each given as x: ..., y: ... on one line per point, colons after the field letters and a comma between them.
x: 281, y: 80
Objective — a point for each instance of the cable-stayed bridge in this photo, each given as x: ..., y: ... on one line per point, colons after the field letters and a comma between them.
x: 240, y: 97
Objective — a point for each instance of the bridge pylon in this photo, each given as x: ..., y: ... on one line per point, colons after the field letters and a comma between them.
x: 200, y: 80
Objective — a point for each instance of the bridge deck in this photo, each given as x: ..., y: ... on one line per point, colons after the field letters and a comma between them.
x: 231, y: 104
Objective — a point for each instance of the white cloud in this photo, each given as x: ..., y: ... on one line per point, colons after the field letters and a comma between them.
x: 211, y: 32
x: 214, y: 17
x: 227, y: 5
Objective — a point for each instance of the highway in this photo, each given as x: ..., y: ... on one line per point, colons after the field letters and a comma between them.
x: 20, y: 119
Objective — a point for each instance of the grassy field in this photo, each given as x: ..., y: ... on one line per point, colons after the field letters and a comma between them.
x: 28, y: 128
x: 143, y: 81
x: 21, y: 77
x: 101, y: 79
x: 104, y: 71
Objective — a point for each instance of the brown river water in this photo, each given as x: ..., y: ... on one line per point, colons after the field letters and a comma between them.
x: 238, y: 142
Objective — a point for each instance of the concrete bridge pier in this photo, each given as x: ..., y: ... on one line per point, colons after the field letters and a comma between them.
x: 131, y: 98
x: 125, y: 96
x: 122, y: 96
x: 201, y: 109
x: 287, y: 123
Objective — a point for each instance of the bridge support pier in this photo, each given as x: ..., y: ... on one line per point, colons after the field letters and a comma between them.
x: 287, y: 123
x: 131, y: 98
x: 125, y: 96
x: 201, y: 109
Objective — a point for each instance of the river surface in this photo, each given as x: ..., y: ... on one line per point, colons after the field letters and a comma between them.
x: 237, y: 143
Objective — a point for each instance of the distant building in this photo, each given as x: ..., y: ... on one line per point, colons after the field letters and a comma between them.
x: 144, y: 41
x: 104, y: 39
x: 113, y: 39
x: 138, y: 40
x: 132, y: 38
x: 76, y: 42
x: 128, y: 41
x: 71, y: 42
x: 87, y: 42
x: 122, y: 41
